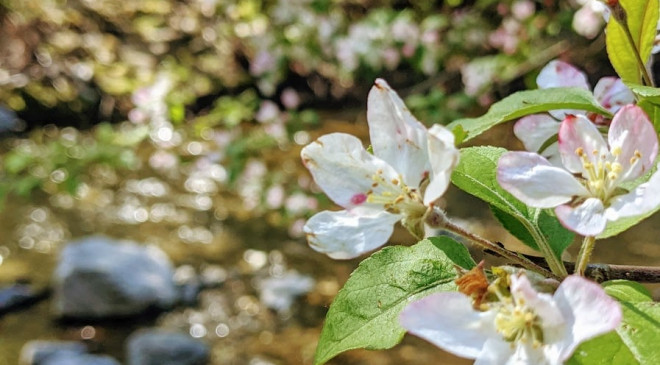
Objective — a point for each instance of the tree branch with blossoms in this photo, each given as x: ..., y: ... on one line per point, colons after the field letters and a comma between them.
x: 591, y: 169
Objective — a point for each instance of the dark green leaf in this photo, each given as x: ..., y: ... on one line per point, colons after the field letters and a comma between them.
x: 365, y: 313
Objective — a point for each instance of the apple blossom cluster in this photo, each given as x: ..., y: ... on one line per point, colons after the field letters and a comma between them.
x: 514, y: 319
x: 581, y: 175
x: 536, y: 130
x: 588, y: 191
x: 407, y: 172
x: 508, y: 315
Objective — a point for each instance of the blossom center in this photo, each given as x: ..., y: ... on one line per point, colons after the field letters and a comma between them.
x: 602, y: 173
x: 395, y: 196
x: 517, y: 322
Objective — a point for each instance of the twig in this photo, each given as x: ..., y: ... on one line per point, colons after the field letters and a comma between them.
x: 605, y: 272
x: 436, y: 218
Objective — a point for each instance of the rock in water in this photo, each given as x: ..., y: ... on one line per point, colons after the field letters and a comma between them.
x: 37, y: 352
x: 43, y: 352
x: 99, y: 277
x: 159, y: 347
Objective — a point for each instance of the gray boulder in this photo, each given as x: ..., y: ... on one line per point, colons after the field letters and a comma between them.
x: 41, y: 352
x: 38, y: 351
x: 100, y: 277
x: 159, y: 347
x: 9, y: 121
x: 83, y: 359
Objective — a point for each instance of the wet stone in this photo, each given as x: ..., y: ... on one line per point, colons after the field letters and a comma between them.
x: 40, y: 352
x: 160, y: 347
x: 17, y: 296
x: 98, y: 277
x: 84, y: 359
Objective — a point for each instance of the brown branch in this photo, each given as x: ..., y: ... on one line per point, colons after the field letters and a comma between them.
x: 605, y: 272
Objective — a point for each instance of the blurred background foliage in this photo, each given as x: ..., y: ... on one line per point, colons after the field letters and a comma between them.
x: 232, y: 79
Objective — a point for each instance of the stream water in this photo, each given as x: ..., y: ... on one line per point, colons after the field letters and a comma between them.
x: 207, y: 234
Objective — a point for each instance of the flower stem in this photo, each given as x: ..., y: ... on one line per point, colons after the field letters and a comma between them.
x: 437, y: 219
x: 554, y: 263
x: 585, y: 254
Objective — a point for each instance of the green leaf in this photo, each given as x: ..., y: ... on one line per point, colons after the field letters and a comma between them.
x: 648, y: 98
x: 605, y: 349
x: 653, y: 111
x: 459, y: 134
x: 642, y: 19
x: 476, y: 174
x: 648, y: 93
x: 640, y: 328
x: 529, y: 102
x: 514, y: 226
x: 635, y: 340
x: 454, y: 251
x: 365, y: 313
x: 627, y: 291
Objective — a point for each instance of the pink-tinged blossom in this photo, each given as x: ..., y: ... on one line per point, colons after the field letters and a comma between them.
x: 525, y: 327
x: 587, y: 191
x: 523, y: 9
x: 589, y: 19
x: 407, y: 172
x: 537, y: 129
x: 290, y: 98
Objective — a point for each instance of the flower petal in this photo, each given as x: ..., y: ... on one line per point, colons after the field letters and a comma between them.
x: 532, y: 179
x: 612, y: 93
x: 561, y: 74
x: 534, y: 130
x: 544, y: 306
x: 448, y: 321
x: 587, y: 219
x: 641, y: 200
x: 348, y: 234
x: 496, y: 351
x: 396, y: 136
x: 444, y: 157
x: 343, y: 168
x: 587, y: 22
x: 577, y: 132
x: 589, y: 311
x: 632, y: 133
